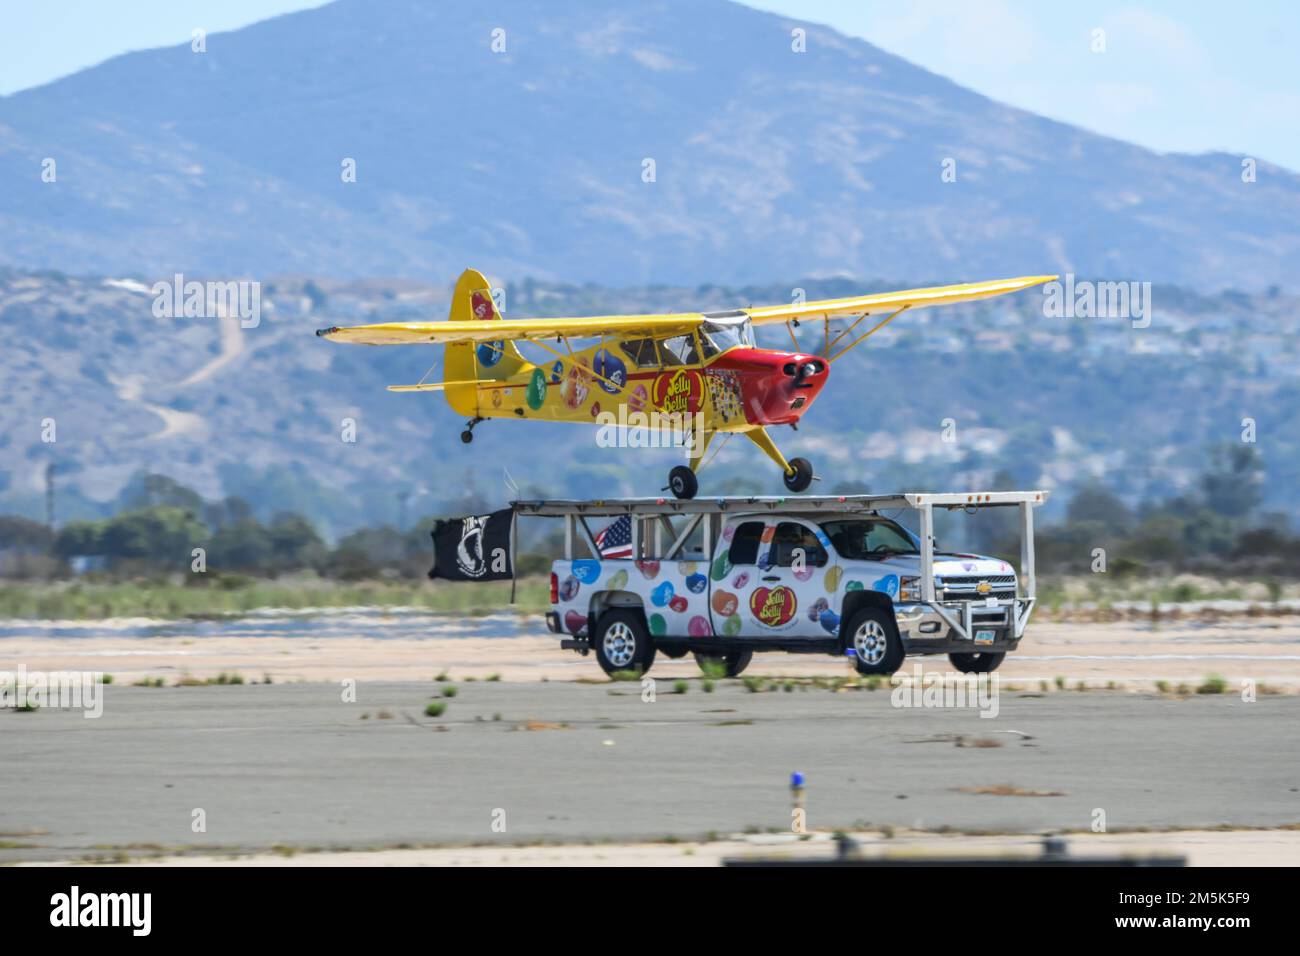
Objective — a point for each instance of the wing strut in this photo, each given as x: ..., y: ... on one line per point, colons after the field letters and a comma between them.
x: 865, y: 335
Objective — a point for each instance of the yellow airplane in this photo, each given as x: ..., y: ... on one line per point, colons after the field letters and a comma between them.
x: 699, y: 373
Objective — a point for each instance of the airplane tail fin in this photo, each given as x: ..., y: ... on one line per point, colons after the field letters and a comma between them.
x: 467, y: 363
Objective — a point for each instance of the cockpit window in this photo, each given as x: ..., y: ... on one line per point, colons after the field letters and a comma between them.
x: 641, y: 352
x: 717, y: 337
x: 678, y: 350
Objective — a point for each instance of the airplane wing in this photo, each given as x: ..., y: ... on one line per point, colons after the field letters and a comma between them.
x: 882, y: 302
x: 445, y: 333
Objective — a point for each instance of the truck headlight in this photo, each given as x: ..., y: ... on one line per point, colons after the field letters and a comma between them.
x: 909, y: 590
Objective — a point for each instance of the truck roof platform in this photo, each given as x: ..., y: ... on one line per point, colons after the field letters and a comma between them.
x: 827, y: 504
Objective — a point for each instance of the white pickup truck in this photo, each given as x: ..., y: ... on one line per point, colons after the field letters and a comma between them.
x: 726, y: 577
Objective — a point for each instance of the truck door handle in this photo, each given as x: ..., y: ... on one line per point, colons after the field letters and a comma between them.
x: 772, y: 577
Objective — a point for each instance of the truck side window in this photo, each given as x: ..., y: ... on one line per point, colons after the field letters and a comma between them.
x: 744, y: 543
x: 791, y: 539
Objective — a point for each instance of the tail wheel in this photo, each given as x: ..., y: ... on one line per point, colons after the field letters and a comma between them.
x: 872, y: 635
x: 683, y: 483
x: 802, y: 476
x: 982, y: 662
x: 734, y: 662
x: 622, y: 642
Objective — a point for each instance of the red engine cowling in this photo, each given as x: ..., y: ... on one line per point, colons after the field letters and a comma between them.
x: 775, y: 387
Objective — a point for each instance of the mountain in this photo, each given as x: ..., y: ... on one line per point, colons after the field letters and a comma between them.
x: 768, y: 164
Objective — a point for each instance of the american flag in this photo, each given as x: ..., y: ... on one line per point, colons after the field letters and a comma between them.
x: 615, y: 539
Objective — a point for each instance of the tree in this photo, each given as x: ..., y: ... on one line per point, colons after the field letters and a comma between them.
x: 1093, y: 503
x: 1232, y: 484
x: 244, y: 545
x: 24, y: 535
x: 295, y: 543
x: 79, y: 538
x: 162, y: 537
x: 148, y: 490
x: 367, y: 552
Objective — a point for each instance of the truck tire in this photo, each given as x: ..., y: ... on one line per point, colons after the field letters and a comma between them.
x: 873, y: 637
x: 981, y: 662
x: 735, y: 662
x: 622, y: 642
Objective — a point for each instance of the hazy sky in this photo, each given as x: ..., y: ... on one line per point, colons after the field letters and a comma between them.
x: 1185, y: 75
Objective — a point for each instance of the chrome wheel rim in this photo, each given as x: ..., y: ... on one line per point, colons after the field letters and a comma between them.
x: 870, y: 642
x: 619, y: 644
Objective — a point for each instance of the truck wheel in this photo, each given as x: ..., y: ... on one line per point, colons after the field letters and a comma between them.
x: 874, y: 639
x: 622, y: 644
x: 734, y: 663
x: 982, y: 662
x: 802, y: 476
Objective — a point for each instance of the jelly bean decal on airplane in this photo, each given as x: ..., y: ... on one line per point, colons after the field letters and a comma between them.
x: 707, y: 366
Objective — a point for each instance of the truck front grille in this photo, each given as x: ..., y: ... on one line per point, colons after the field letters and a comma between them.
x: 966, y: 587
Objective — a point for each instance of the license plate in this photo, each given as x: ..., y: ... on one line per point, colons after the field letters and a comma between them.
x: 985, y: 637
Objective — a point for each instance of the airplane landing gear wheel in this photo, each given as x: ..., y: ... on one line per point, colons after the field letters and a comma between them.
x: 467, y: 435
x: 682, y: 482
x: 801, y: 477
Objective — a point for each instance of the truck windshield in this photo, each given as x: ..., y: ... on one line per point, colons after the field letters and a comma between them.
x: 865, y: 539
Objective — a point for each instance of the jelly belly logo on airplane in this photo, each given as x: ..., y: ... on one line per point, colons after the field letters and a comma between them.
x: 773, y: 607
x: 679, y: 393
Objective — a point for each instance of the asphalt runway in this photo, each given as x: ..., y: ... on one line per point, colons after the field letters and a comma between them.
x: 293, y: 765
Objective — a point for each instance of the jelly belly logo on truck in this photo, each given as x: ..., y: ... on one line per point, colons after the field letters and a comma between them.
x: 679, y: 393
x: 773, y: 607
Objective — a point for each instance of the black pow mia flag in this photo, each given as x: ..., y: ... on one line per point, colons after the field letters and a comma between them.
x: 474, y: 548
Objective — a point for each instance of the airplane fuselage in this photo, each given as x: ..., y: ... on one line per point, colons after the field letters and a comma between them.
x: 735, y: 390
